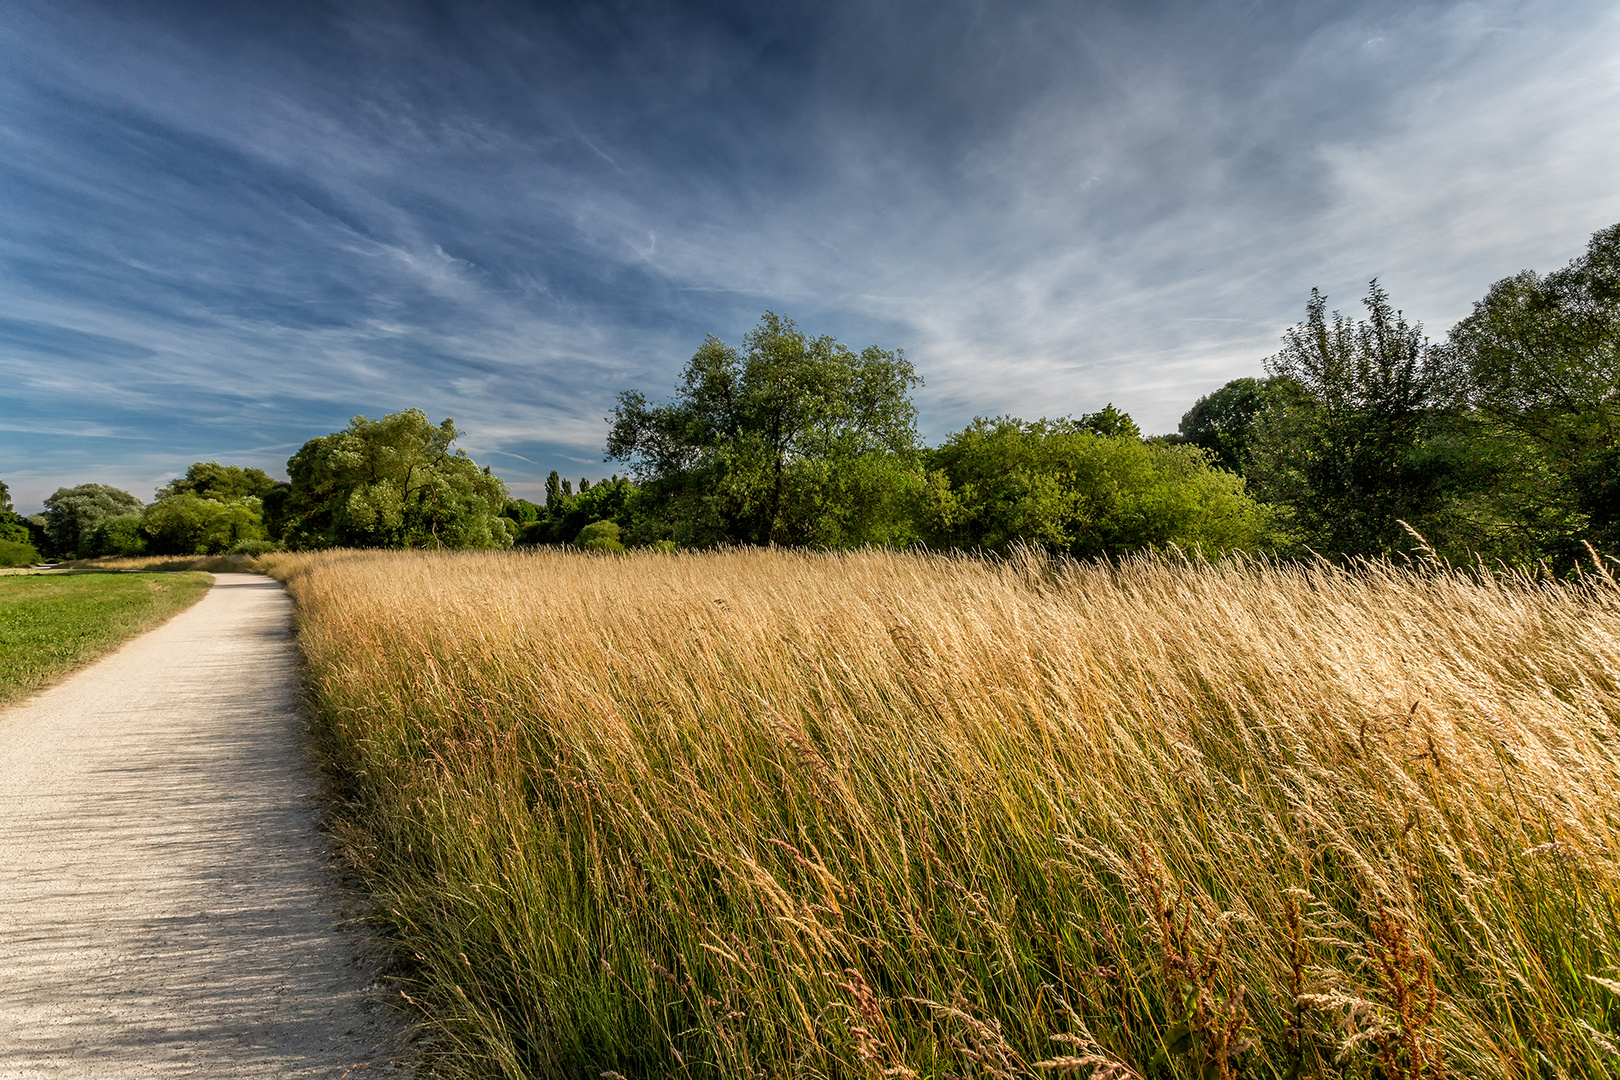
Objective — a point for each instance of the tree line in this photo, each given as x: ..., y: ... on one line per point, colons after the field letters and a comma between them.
x: 1363, y: 438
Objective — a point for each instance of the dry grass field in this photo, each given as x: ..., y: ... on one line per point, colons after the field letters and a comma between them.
x: 775, y: 814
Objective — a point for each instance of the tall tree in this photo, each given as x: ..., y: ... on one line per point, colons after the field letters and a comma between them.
x: 788, y: 439
x: 1223, y: 421
x: 1542, y: 357
x: 1348, y: 444
x: 222, y: 483
x: 394, y: 482
x: 72, y: 514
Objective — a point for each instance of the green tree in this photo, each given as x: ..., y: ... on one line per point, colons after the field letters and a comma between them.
x: 394, y: 482
x: 1060, y: 485
x: 788, y: 439
x: 188, y: 524
x: 13, y: 526
x: 16, y: 542
x: 222, y: 483
x: 72, y: 514
x: 210, y: 510
x: 599, y: 536
x: 117, y: 535
x: 1223, y: 421
x: 1348, y: 442
x: 1111, y: 422
x: 1542, y: 359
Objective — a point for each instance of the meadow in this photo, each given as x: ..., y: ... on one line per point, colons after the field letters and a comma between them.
x: 766, y: 813
x: 52, y: 623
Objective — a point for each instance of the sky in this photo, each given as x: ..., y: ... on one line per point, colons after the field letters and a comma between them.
x: 226, y: 228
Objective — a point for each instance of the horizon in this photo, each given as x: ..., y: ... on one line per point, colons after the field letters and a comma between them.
x: 223, y: 233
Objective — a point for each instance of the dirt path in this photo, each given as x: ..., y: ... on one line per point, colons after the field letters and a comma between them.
x: 166, y: 907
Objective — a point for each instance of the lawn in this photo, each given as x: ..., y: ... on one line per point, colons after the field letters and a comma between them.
x: 53, y: 623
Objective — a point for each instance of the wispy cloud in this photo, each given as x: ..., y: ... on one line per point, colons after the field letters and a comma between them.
x: 224, y: 230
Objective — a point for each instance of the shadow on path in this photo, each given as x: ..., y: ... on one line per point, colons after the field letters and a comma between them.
x: 166, y: 905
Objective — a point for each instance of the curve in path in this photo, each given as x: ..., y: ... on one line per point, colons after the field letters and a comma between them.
x: 166, y: 903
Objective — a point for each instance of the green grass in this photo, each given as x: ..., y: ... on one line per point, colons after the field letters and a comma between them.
x: 51, y: 624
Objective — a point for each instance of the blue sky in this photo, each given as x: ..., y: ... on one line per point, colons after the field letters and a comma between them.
x: 226, y: 228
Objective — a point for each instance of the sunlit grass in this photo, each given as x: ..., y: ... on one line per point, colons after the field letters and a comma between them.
x: 766, y: 813
x: 51, y: 624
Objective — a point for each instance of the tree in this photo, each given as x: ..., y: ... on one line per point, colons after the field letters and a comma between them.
x: 1542, y: 359
x: 1223, y: 421
x: 72, y: 514
x: 1058, y: 484
x: 788, y: 439
x: 599, y: 536
x: 1111, y: 423
x: 222, y: 483
x: 1348, y: 441
x: 188, y: 524
x: 13, y: 526
x: 117, y: 535
x: 394, y: 482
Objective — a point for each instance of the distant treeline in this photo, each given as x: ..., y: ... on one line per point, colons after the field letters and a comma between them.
x: 1363, y: 439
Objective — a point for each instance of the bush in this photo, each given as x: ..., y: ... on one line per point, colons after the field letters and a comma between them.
x: 17, y: 553
x: 119, y: 535
x: 1058, y: 484
x: 599, y: 536
x: 254, y: 548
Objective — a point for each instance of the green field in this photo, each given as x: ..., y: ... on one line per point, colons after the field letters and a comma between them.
x: 53, y: 623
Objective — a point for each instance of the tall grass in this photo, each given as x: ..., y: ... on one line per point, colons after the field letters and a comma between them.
x: 772, y: 814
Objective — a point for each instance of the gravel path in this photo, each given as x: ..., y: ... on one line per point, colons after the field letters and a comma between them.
x: 166, y: 904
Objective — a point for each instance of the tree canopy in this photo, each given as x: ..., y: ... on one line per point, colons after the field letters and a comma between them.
x: 1542, y: 358
x: 787, y: 439
x: 1061, y: 485
x: 72, y: 514
x: 1222, y: 422
x: 221, y: 483
x: 394, y: 482
x: 1347, y: 442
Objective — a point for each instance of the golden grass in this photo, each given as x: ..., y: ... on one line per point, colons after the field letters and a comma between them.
x: 873, y: 814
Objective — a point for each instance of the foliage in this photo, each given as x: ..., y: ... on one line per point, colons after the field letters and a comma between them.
x: 17, y: 553
x: 119, y: 535
x: 393, y: 482
x: 1222, y: 422
x: 565, y: 513
x: 599, y: 536
x: 221, y: 483
x: 72, y: 514
x: 1542, y: 356
x: 13, y: 526
x: 53, y: 623
x: 876, y: 814
x: 1111, y: 423
x: 1058, y: 484
x: 188, y: 522
x: 788, y: 439
x: 1348, y: 442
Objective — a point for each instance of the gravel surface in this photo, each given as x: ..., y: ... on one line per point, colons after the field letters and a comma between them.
x: 167, y: 905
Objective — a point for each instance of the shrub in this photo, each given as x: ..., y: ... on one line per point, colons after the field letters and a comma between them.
x: 599, y: 536
x: 17, y: 553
